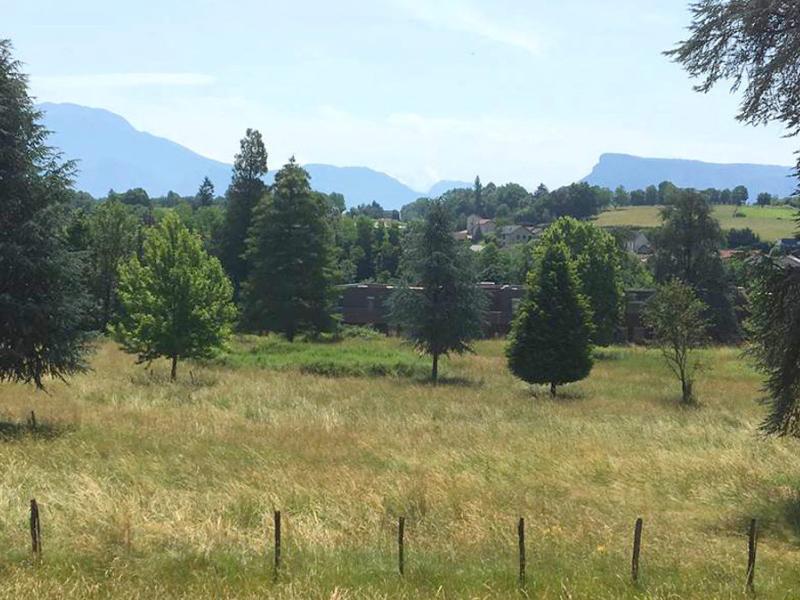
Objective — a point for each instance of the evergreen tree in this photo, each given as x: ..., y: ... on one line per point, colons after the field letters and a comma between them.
x: 687, y: 248
x: 245, y: 191
x: 774, y: 328
x: 43, y: 302
x: 176, y: 300
x: 480, y: 208
x: 439, y: 306
x: 597, y: 264
x: 550, y: 341
x: 290, y: 254
x: 493, y: 264
x: 112, y: 240
x: 205, y: 194
x: 365, y: 248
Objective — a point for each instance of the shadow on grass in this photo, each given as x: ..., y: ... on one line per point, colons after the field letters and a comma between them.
x: 13, y: 432
x: 157, y: 377
x: 448, y: 381
x: 606, y: 354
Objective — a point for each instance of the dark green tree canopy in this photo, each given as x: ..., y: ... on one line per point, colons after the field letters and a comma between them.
x: 439, y: 306
x: 687, y: 248
x: 43, y: 302
x: 205, y: 193
x: 290, y: 256
x: 774, y: 330
x: 246, y: 189
x: 550, y: 341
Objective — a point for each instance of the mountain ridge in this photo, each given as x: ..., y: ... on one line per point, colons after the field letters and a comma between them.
x: 636, y: 172
x: 113, y: 154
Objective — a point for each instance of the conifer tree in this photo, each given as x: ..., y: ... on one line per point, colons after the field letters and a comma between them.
x: 290, y: 258
x: 205, y: 193
x: 439, y: 306
x: 176, y: 300
x: 245, y: 191
x: 43, y: 302
x: 550, y: 341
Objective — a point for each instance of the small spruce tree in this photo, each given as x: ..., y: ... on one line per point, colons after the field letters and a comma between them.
x: 176, y: 300
x: 550, y: 341
x: 439, y: 306
x: 205, y: 194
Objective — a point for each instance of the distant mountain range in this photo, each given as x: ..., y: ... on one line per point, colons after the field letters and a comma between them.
x: 636, y: 173
x: 111, y: 153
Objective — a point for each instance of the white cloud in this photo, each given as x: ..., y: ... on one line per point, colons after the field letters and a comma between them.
x: 122, y: 80
x: 461, y: 16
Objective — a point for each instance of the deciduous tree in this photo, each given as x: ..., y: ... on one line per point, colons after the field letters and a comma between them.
x: 176, y: 300
x: 675, y: 316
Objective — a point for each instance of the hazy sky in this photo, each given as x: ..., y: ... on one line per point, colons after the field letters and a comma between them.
x: 515, y: 90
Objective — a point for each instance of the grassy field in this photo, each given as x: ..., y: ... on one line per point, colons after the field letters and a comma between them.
x: 150, y: 489
x: 770, y: 222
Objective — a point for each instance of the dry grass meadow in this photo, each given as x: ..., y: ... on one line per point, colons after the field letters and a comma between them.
x: 156, y: 490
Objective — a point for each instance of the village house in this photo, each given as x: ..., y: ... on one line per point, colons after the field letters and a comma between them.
x: 639, y: 244
x: 479, y: 227
x: 510, y: 235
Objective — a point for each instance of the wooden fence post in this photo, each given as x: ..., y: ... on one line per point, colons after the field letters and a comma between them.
x: 637, y: 546
x: 521, y: 534
x: 36, y: 530
x: 751, y: 556
x: 277, y: 541
x: 401, y: 531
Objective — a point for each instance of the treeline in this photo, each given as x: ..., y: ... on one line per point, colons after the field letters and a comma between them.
x: 513, y: 204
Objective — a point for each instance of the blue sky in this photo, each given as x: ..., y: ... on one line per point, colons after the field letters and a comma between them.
x: 524, y: 90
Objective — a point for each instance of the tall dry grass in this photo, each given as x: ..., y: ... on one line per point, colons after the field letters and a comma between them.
x: 151, y: 489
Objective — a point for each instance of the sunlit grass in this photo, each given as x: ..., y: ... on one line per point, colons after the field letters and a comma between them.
x: 769, y: 222
x: 150, y: 489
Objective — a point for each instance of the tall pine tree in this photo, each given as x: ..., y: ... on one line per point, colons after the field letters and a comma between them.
x: 439, y: 306
x: 245, y: 191
x: 551, y: 337
x: 42, y: 300
x: 205, y: 193
x: 290, y: 256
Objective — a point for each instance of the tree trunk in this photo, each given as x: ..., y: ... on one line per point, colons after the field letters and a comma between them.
x: 553, y: 389
x: 686, y: 391
x: 435, y: 368
x: 174, y: 372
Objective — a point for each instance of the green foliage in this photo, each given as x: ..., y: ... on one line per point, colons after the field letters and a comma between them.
x: 443, y: 311
x: 774, y: 331
x: 493, y: 263
x: 43, y: 303
x: 687, y: 248
x: 290, y: 257
x: 113, y: 237
x: 176, y: 300
x: 675, y: 316
x: 550, y: 340
x: 597, y: 264
x: 244, y: 193
x: 361, y: 354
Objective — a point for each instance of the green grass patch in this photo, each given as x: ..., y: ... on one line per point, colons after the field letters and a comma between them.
x: 769, y: 222
x: 352, y: 357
